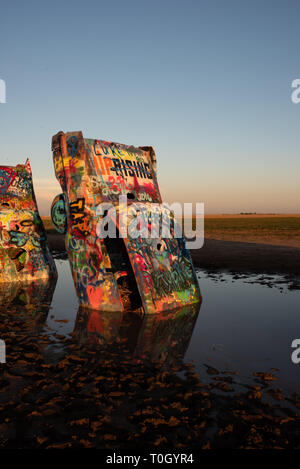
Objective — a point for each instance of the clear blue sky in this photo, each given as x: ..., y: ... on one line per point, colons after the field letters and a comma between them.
x: 207, y: 83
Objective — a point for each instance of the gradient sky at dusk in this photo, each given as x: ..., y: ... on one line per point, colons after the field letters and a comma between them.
x: 206, y: 83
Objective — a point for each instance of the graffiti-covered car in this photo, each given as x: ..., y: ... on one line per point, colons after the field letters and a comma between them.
x: 104, y: 183
x: 23, y: 245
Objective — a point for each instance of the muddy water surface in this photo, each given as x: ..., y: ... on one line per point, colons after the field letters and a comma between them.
x: 218, y: 377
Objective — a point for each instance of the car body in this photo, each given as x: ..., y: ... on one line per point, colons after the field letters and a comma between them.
x: 94, y: 174
x: 25, y: 255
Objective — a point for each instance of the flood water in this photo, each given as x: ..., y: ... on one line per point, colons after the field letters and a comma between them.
x: 246, y: 324
x: 238, y: 345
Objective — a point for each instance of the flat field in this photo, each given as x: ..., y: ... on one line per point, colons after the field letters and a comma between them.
x: 282, y: 230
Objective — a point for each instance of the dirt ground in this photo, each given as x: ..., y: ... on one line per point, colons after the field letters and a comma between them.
x: 245, y: 243
x: 231, y: 255
x: 247, y: 257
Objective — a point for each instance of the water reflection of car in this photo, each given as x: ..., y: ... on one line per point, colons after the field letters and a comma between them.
x: 28, y: 301
x: 23, y: 245
x: 162, y: 337
x: 158, y: 271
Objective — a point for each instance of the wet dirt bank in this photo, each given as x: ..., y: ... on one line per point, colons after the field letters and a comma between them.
x: 230, y: 255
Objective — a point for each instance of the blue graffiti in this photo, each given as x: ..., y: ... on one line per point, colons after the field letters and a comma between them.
x: 72, y: 146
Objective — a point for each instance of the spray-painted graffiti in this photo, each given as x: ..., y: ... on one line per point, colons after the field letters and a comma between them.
x: 7, y: 175
x: 94, y: 172
x: 23, y: 245
x: 58, y: 214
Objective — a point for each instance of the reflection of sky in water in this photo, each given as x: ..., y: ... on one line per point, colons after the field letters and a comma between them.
x: 64, y: 304
x: 246, y: 327
x: 242, y: 326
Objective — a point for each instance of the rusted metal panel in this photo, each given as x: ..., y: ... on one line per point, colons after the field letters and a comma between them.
x: 96, y: 172
x: 23, y: 245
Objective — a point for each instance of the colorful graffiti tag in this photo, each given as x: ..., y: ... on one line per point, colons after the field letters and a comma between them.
x: 23, y: 244
x: 159, y: 270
